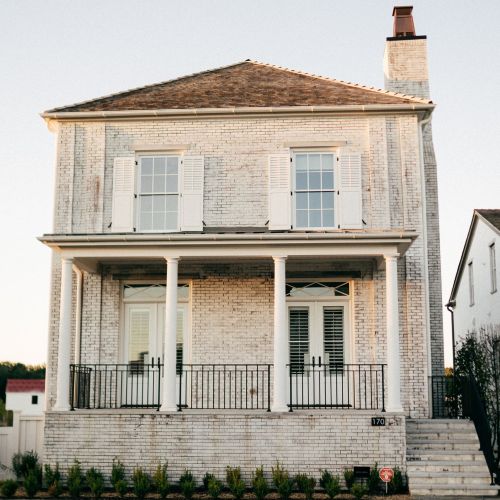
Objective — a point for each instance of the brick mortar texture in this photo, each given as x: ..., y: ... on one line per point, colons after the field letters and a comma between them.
x: 302, y: 441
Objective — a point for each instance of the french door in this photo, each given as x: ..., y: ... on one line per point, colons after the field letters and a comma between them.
x: 317, y: 345
x: 144, y: 351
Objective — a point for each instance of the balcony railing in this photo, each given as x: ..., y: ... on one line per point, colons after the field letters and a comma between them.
x: 337, y: 386
x: 106, y: 386
x: 225, y: 387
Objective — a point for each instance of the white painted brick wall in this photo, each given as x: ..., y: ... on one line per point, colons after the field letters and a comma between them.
x: 204, y: 442
x: 227, y: 301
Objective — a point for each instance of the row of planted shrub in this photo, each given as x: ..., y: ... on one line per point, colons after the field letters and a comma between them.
x: 29, y: 471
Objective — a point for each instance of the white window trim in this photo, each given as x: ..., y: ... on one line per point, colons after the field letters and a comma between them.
x: 492, y: 252
x: 333, y: 301
x: 122, y: 351
x: 137, y: 197
x: 336, y: 177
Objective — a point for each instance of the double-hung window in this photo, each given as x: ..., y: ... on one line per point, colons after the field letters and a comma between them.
x: 314, y: 190
x: 158, y: 193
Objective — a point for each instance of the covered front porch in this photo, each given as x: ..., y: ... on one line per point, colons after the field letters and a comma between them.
x: 243, y: 322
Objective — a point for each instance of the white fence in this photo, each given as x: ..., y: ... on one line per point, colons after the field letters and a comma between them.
x: 26, y: 434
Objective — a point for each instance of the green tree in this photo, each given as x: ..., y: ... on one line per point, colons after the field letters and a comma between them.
x: 479, y: 355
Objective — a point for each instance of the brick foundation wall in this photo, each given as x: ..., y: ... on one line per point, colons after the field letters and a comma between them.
x: 206, y: 442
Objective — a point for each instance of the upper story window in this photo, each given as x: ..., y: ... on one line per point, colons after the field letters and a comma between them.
x: 161, y: 192
x: 158, y: 193
x: 314, y: 190
x: 471, y: 283
x: 493, y: 268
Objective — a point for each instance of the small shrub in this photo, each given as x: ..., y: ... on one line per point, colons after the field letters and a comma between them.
x: 325, y: 478
x: 237, y: 488
x: 233, y: 475
x: 358, y: 491
x: 259, y: 484
x: 332, y: 487
x: 24, y: 463
x: 141, y: 483
x: 121, y: 487
x: 9, y: 488
x: 187, y: 484
x: 397, y: 483
x: 206, y: 479
x: 55, y: 489
x: 373, y: 480
x: 187, y: 488
x: 75, y: 480
x: 214, y: 487
x: 349, y: 478
x: 32, y: 482
x: 51, y: 475
x: 187, y: 475
x: 306, y: 485
x: 95, y: 482
x: 161, y: 482
x: 117, y: 472
x: 282, y: 481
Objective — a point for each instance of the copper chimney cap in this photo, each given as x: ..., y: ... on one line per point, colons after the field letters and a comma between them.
x: 403, y: 21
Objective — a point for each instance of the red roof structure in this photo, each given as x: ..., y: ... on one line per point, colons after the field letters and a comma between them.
x: 25, y: 385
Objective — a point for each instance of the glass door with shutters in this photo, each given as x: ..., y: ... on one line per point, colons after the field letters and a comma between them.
x: 143, y: 349
x: 318, y: 347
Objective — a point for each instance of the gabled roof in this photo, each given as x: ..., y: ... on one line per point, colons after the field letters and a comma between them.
x: 244, y: 84
x: 491, y: 217
x: 25, y: 385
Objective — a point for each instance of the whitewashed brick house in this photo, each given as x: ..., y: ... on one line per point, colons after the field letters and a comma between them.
x: 245, y: 269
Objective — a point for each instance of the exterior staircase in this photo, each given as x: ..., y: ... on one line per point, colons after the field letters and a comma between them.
x: 443, y: 459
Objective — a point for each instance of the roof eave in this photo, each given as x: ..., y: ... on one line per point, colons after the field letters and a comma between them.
x: 166, y: 113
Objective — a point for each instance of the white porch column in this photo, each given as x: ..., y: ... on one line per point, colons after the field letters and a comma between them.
x: 393, y: 355
x: 280, y: 336
x: 169, y: 400
x: 64, y: 346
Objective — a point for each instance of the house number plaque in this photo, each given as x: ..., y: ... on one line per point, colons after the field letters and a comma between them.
x: 378, y: 421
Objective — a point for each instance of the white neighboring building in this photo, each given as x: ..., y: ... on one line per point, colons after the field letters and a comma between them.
x: 26, y: 396
x: 474, y: 297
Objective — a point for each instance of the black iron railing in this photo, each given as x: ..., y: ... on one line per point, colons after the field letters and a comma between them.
x: 474, y: 408
x: 445, y: 397
x: 225, y: 387
x: 332, y: 386
x: 107, y: 386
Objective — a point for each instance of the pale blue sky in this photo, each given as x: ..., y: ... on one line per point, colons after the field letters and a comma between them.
x: 56, y: 52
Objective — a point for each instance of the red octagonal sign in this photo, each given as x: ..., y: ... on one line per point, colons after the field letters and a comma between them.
x: 386, y: 474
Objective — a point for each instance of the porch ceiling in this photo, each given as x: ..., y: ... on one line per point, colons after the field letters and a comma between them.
x: 94, y: 249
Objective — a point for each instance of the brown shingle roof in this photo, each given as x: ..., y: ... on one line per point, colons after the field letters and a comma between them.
x: 25, y: 385
x: 492, y: 215
x: 244, y: 84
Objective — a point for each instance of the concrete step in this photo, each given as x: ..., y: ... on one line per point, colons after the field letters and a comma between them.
x: 462, y: 466
x: 448, y: 490
x: 450, y: 436
x: 450, y: 478
x: 442, y: 444
x: 439, y: 424
x: 430, y: 455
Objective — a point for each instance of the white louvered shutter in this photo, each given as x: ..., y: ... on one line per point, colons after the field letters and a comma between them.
x: 298, y: 318
x: 333, y: 334
x: 350, y: 200
x: 193, y: 173
x: 122, y: 219
x: 280, y: 209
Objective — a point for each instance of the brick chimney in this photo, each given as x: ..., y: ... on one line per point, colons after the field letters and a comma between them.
x: 405, y: 57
